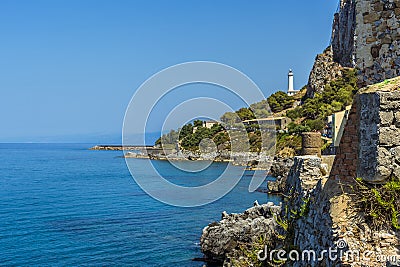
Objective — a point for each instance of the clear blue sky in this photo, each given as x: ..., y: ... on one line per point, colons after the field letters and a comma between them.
x: 69, y: 68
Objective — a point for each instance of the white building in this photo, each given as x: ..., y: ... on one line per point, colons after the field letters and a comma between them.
x: 209, y: 124
x: 291, y: 90
x: 339, y: 120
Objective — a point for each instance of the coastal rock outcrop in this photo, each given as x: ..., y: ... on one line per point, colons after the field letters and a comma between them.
x: 340, y: 54
x: 221, y: 241
x: 281, y: 166
x: 280, y: 169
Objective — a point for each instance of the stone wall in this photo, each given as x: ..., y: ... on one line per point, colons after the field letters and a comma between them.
x: 334, y: 223
x: 377, y: 53
x: 345, y: 164
x: 332, y: 220
x: 379, y: 152
x: 370, y: 144
x: 369, y: 149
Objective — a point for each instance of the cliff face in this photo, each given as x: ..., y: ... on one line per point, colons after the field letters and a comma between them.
x: 325, y: 70
x: 343, y: 30
x: 365, y: 35
x: 341, y: 53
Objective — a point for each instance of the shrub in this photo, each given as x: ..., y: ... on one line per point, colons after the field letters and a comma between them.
x: 280, y: 101
x: 380, y: 203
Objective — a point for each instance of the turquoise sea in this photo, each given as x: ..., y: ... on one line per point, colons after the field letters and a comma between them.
x: 64, y: 205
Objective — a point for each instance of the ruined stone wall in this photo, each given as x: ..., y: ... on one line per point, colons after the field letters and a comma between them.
x: 345, y: 164
x: 370, y: 146
x: 377, y: 46
x: 379, y: 151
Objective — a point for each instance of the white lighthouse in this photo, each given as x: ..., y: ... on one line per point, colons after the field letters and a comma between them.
x: 291, y: 90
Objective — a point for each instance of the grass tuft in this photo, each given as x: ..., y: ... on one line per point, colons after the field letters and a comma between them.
x: 380, y: 203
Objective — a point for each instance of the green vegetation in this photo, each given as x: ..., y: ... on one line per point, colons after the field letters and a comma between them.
x: 245, y: 114
x: 251, y: 254
x: 282, y: 239
x: 280, y: 101
x: 169, y: 138
x: 261, y: 109
x: 288, y: 145
x: 198, y: 123
x: 311, y: 115
x: 380, y: 203
x: 190, y: 136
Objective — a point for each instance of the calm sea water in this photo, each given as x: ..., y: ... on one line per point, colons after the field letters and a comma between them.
x: 63, y: 205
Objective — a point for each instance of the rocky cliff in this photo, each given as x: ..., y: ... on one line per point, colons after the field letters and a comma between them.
x: 343, y: 30
x: 340, y: 54
x: 365, y: 35
x: 325, y: 70
x: 280, y: 169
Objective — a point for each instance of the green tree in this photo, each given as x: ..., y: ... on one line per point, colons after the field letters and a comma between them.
x: 261, y: 109
x: 192, y: 142
x: 280, y: 101
x: 316, y: 125
x: 255, y: 141
x: 297, y: 129
x: 294, y: 114
x: 216, y: 128
x: 186, y: 131
x: 245, y: 114
x: 198, y: 123
x: 221, y: 138
x: 230, y: 118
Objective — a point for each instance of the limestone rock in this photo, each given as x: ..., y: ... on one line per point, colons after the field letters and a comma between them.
x: 325, y: 70
x: 279, y: 169
x: 223, y: 238
x: 343, y: 34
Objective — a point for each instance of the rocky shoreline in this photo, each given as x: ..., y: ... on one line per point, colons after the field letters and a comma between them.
x: 221, y: 241
x: 278, y: 167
